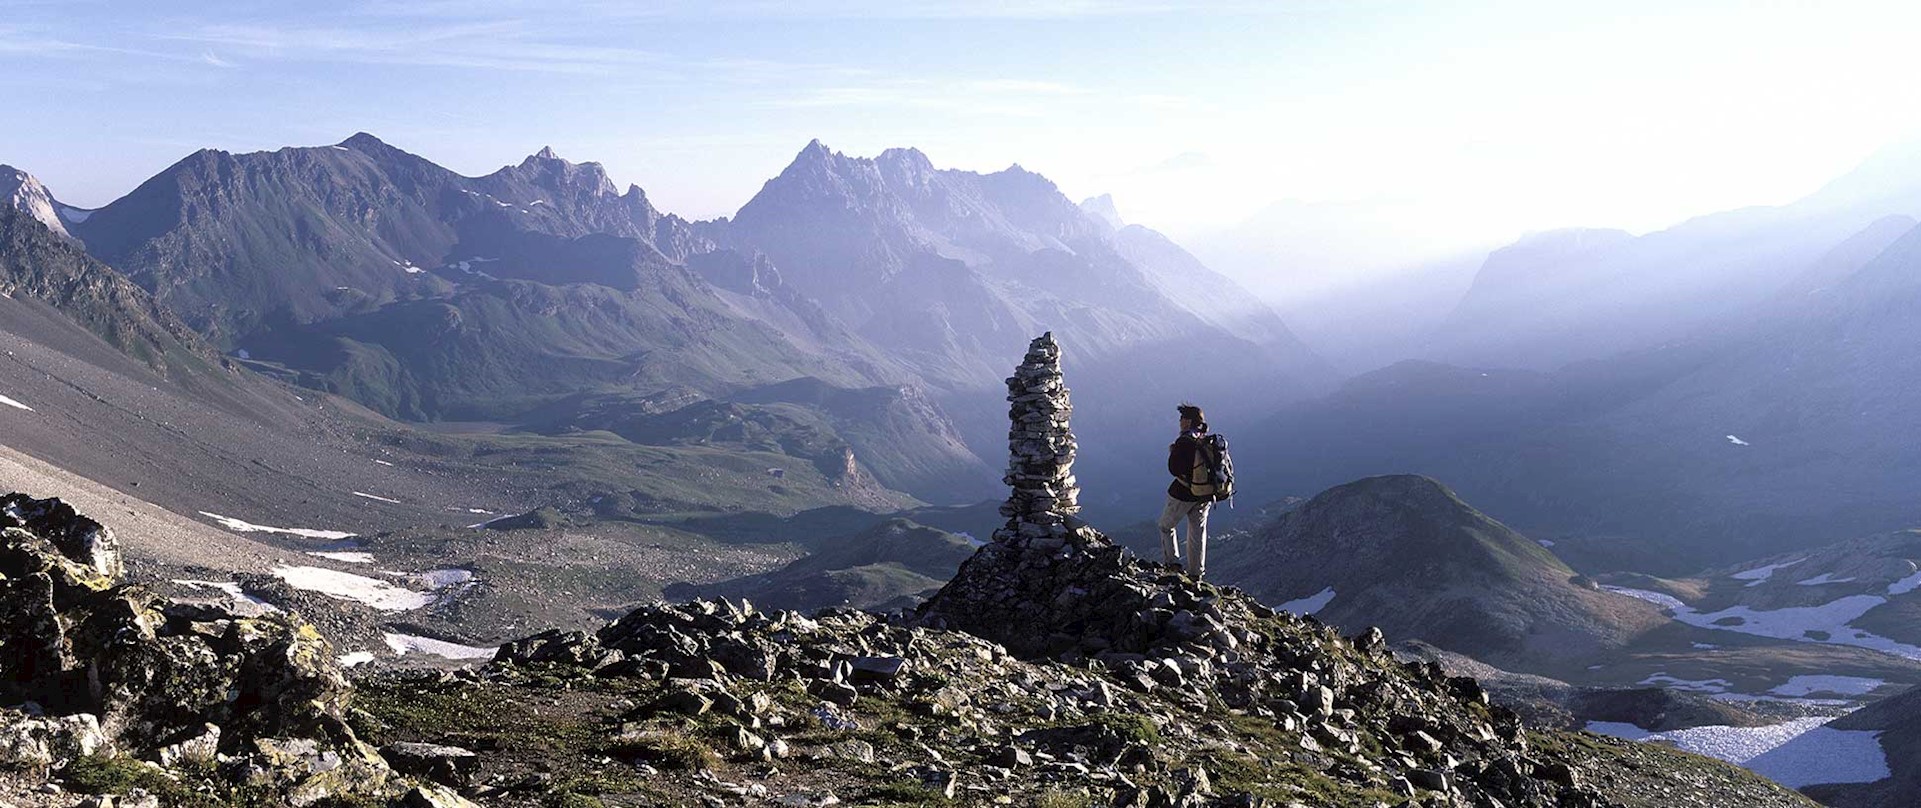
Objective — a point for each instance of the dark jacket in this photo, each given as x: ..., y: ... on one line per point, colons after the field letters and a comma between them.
x: 1180, y: 463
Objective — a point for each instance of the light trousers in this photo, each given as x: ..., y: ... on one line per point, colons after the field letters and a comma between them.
x: 1195, y: 513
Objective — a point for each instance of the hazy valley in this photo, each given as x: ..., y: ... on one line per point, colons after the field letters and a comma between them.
x: 443, y: 420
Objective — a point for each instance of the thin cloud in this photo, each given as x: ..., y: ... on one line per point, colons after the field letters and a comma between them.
x: 1006, y: 98
x: 492, y: 45
x: 214, y: 59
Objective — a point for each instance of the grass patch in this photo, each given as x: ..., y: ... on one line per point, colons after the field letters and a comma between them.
x: 666, y: 748
x: 904, y: 792
x: 1062, y: 798
x: 94, y: 774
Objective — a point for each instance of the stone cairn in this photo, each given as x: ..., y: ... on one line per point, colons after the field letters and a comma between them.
x: 1040, y: 467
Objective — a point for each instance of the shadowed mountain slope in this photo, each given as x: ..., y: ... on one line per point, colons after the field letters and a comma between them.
x: 1786, y: 429
x: 1405, y: 554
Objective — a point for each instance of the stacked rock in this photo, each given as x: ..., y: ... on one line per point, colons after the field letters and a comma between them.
x: 1040, y: 445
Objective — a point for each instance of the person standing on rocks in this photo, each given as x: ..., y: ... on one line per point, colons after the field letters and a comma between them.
x: 1189, y: 496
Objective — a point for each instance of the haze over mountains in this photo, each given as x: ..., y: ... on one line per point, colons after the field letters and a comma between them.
x: 552, y: 401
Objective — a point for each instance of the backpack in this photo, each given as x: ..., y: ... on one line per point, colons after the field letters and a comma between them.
x: 1211, y: 453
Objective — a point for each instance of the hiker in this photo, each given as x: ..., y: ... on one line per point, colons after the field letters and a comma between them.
x: 1189, y: 496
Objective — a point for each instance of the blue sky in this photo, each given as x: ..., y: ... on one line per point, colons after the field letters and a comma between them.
x: 1447, y: 122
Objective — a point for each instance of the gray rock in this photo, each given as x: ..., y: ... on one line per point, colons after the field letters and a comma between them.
x: 449, y: 765
x: 877, y: 669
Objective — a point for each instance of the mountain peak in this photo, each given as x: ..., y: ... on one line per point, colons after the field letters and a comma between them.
x: 546, y: 153
x: 814, y: 152
x: 909, y: 157
x: 1102, y: 208
x: 363, y: 139
x: 21, y: 191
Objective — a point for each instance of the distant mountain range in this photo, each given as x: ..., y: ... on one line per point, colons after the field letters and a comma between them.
x: 1569, y: 295
x: 1783, y: 426
x: 846, y: 284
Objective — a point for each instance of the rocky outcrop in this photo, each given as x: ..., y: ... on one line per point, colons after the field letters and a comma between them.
x: 1053, y: 664
x: 21, y: 191
x: 98, y: 668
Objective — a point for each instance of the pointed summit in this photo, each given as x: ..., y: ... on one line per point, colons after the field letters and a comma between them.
x: 547, y: 153
x: 364, y: 140
x: 19, y: 190
x: 815, y: 153
x: 1102, y: 208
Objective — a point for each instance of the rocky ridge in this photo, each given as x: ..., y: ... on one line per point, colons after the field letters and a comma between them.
x: 1052, y: 670
x: 187, y: 703
x: 23, y: 192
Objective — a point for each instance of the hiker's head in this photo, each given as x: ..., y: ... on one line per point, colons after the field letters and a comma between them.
x: 1192, y: 418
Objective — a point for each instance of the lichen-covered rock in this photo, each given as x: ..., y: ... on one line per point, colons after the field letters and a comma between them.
x: 121, y: 670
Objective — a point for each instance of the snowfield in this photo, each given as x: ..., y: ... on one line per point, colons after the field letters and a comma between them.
x: 442, y: 579
x: 344, y: 556
x: 1796, y: 753
x: 1662, y: 679
x: 404, y: 644
x: 233, y: 591
x: 357, y: 588
x: 1826, y: 623
x: 1824, y: 578
x: 1310, y: 604
x: 1905, y: 585
x: 1760, y: 575
x: 1662, y: 600
x: 241, y: 526
x: 1838, y: 685
x: 15, y: 404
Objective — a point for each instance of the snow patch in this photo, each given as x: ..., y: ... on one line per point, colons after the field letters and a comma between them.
x: 376, y: 498
x: 1838, y: 685
x: 1662, y: 600
x: 1825, y: 755
x: 484, y: 525
x: 356, y: 658
x: 1826, y: 623
x: 1760, y: 575
x: 358, y: 588
x: 241, y: 526
x: 1544, y: 542
x: 1310, y: 604
x: 1737, y: 441
x: 232, y: 589
x: 1662, y: 679
x: 1905, y: 585
x: 442, y: 579
x: 344, y: 556
x: 404, y: 644
x: 340, y: 148
x: 1736, y: 745
x: 382, y: 463
x: 15, y: 404
x: 1823, y: 578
